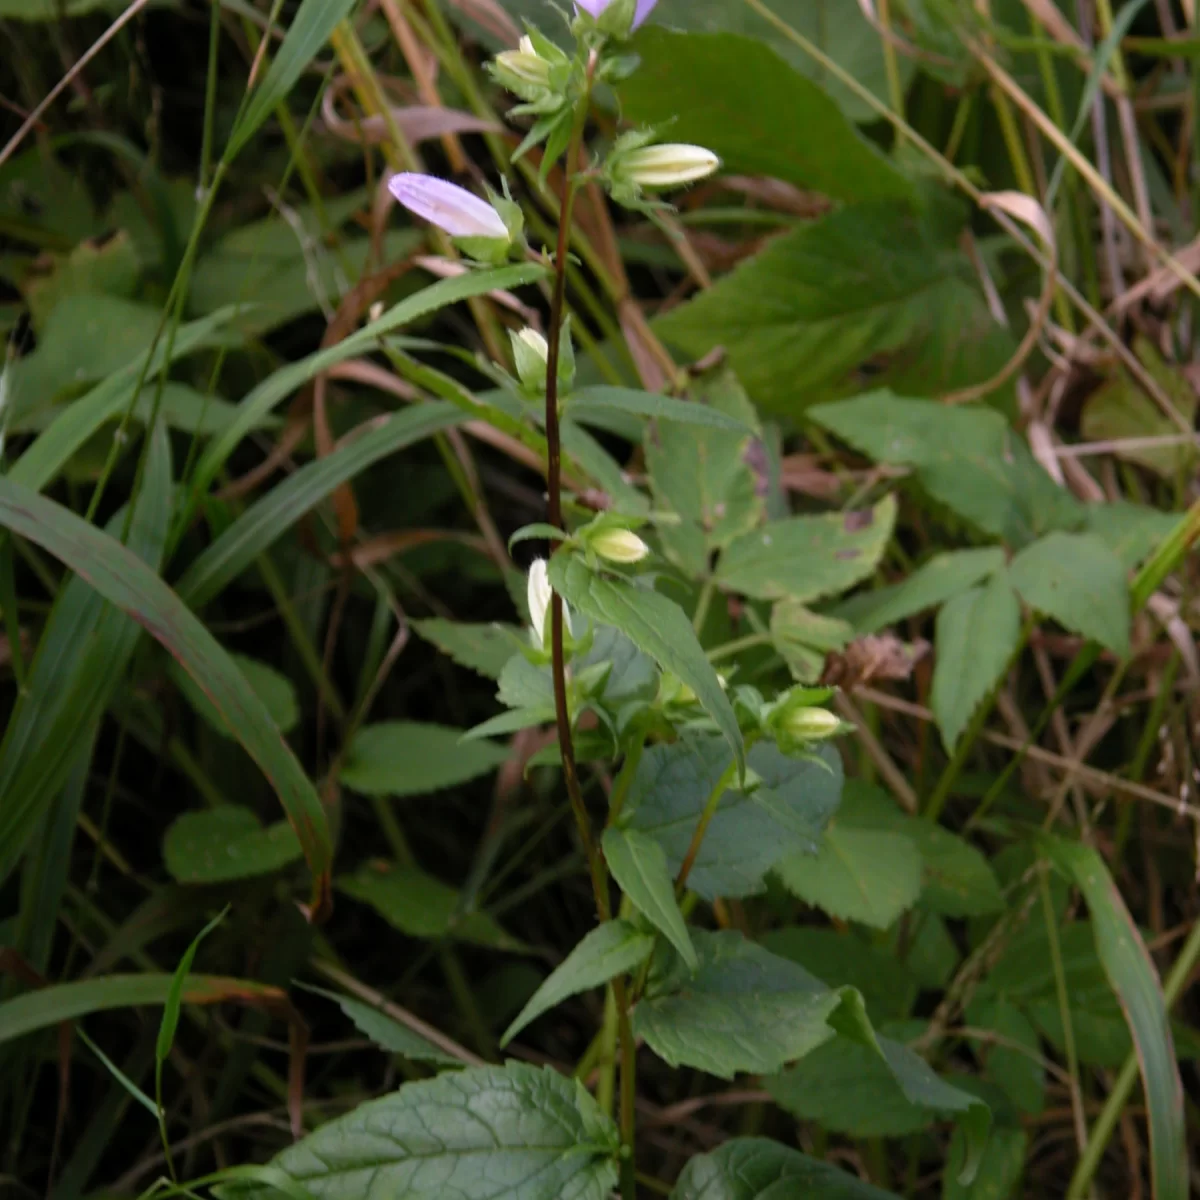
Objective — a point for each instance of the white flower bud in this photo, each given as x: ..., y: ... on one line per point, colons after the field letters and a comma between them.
x: 811, y: 724
x: 531, y: 353
x: 538, y: 595
x: 525, y: 66
x: 620, y: 546
x: 536, y: 342
x: 667, y: 166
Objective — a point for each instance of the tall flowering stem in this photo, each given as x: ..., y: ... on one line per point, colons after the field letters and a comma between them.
x: 566, y: 743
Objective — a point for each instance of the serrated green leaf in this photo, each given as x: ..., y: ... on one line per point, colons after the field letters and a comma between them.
x: 760, y: 1169
x: 957, y: 881
x: 942, y: 578
x: 1131, y: 531
x: 591, y: 401
x: 741, y: 1009
x: 966, y: 458
x: 859, y: 875
x: 639, y: 866
x: 805, y: 558
x: 489, y: 1133
x: 726, y: 92
x: 421, y: 906
x: 483, y: 649
x: 221, y: 844
x: 672, y: 786
x: 1078, y: 581
x: 412, y: 758
x: 609, y: 950
x: 868, y: 280
x: 656, y: 626
x: 977, y: 635
x: 383, y: 1031
x: 273, y: 688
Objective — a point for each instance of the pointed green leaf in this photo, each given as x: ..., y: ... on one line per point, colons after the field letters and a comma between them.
x: 411, y: 758
x: 639, y: 866
x: 1078, y: 581
x: 490, y: 1133
x: 383, y: 1031
x: 609, y: 950
x: 481, y: 648
x: 598, y: 401
x: 977, y: 635
x: 656, y: 626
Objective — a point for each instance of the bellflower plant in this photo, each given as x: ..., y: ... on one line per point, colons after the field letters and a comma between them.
x: 609, y: 657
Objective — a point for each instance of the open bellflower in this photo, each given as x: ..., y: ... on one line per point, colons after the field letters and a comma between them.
x: 460, y: 213
x: 618, y: 17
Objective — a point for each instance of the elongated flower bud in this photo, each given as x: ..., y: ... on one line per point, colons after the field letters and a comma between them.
x: 531, y: 352
x: 620, y: 546
x: 449, y: 207
x: 667, y: 166
x: 538, y: 594
x: 811, y: 724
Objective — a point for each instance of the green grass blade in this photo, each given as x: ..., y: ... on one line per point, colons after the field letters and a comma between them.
x: 315, y: 20
x: 81, y: 659
x: 1133, y: 978
x: 125, y: 581
x: 48, y: 1006
x: 284, y: 382
x: 284, y: 505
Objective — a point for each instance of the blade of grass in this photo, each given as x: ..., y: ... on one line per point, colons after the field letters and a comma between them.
x: 125, y: 581
x: 1131, y: 974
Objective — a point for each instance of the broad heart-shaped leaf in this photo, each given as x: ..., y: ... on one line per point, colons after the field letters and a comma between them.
x: 742, y: 1009
x: 639, y: 866
x: 702, y: 480
x: 608, y: 950
x: 755, y: 1168
x: 977, y: 635
x: 421, y: 906
x: 220, y: 844
x: 859, y: 875
x: 805, y: 558
x: 726, y: 93
x: 1131, y: 974
x: 481, y: 648
x: 126, y: 582
x: 942, y: 578
x: 956, y: 880
x: 966, y: 458
x: 385, y: 1032
x: 490, y: 1133
x: 674, y: 781
x: 598, y: 401
x: 1078, y: 581
x: 411, y: 758
x: 656, y: 626
x: 800, y: 318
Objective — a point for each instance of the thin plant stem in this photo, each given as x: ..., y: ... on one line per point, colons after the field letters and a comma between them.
x: 710, y: 810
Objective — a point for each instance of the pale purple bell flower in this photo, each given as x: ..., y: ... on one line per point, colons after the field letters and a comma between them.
x: 459, y: 212
x: 596, y: 7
